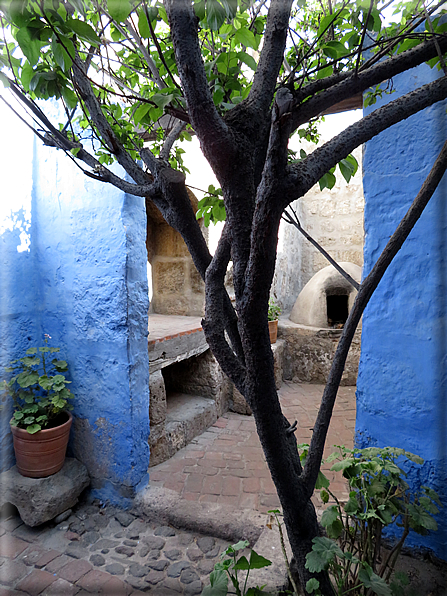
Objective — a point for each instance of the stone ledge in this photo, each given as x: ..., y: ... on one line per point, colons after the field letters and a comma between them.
x: 41, y: 499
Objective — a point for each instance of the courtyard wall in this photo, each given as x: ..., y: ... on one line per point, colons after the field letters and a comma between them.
x: 83, y: 281
x: 401, y: 390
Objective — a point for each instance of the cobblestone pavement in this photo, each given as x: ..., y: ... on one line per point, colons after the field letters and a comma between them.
x: 102, y: 550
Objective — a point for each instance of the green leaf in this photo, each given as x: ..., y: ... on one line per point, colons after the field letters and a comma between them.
x: 141, y: 112
x: 119, y: 10
x: 30, y: 360
x: 327, y: 181
x: 325, y: 72
x: 33, y: 428
x: 59, y: 365
x: 84, y: 31
x: 29, y: 45
x: 143, y: 25
x: 19, y: 415
x: 322, y: 481
x: 257, y: 561
x: 71, y: 99
x: 325, y: 23
x: 242, y: 563
x: 26, y: 379
x: 31, y: 351
x: 324, y: 550
x: 374, y: 582
x: 199, y: 9
x: 312, y: 585
x: 246, y: 38
x: 45, y: 382
x: 215, y: 14
x: 219, y: 584
x: 329, y: 516
x: 334, y: 49
x: 161, y: 100
x: 248, y: 60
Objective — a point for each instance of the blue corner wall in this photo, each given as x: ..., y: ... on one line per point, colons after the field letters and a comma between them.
x: 401, y: 390
x: 83, y: 280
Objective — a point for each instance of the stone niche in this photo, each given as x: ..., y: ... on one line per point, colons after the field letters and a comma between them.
x: 188, y: 390
x: 177, y: 286
x: 315, y: 326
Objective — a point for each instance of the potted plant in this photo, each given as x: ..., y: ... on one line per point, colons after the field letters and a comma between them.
x: 41, y: 422
x: 273, y: 313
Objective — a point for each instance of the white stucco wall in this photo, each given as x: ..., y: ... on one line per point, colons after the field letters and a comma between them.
x: 334, y: 218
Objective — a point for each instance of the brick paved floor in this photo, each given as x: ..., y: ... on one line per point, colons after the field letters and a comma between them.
x: 225, y: 464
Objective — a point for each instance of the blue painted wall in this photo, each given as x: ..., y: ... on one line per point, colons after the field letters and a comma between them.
x: 401, y: 390
x: 84, y: 282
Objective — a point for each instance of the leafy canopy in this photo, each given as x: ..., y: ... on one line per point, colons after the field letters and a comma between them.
x: 132, y: 66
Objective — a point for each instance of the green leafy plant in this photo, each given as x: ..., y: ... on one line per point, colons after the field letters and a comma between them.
x: 227, y: 569
x: 211, y: 207
x: 38, y: 389
x: 353, y: 551
x: 274, y: 310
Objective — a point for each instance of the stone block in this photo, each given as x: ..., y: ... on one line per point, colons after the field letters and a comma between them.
x: 169, y: 277
x: 168, y: 242
x: 157, y: 398
x: 196, y: 282
x: 239, y: 404
x: 309, y: 352
x: 41, y: 499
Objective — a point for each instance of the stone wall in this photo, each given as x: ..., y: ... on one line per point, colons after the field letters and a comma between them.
x: 177, y: 287
x: 401, y: 390
x: 334, y: 218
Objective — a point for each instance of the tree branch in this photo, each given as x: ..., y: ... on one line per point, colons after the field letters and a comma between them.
x: 367, y: 288
x: 56, y: 138
x: 272, y: 55
x: 213, y: 133
x: 215, y: 320
x: 171, y: 138
x: 306, y: 173
x: 350, y: 84
x: 110, y: 139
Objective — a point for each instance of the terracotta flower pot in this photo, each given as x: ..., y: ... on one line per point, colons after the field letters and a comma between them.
x: 43, y: 453
x: 273, y: 330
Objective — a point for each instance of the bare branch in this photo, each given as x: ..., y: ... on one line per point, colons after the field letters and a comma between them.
x: 171, y: 138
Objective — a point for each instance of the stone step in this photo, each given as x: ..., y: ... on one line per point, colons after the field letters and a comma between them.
x: 187, y: 416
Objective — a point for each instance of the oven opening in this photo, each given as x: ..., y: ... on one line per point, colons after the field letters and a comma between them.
x: 337, y: 310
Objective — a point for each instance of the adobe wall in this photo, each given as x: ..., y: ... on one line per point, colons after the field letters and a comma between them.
x: 401, y: 389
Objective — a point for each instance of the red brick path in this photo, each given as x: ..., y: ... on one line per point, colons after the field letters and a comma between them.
x: 226, y: 464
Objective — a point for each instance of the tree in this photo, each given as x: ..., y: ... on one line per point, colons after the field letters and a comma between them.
x: 127, y: 72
